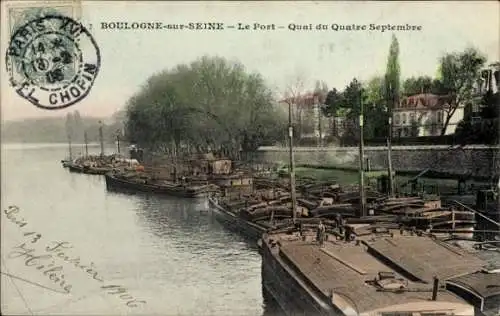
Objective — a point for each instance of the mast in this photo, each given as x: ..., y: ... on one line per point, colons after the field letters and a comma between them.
x: 361, y: 162
x: 291, y: 164
x: 101, y: 139
x: 86, y: 144
x: 69, y: 148
x: 118, y: 141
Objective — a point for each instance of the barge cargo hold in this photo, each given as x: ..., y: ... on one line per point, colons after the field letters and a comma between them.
x: 385, y: 273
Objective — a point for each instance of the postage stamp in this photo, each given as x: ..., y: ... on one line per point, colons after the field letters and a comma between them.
x: 52, y: 60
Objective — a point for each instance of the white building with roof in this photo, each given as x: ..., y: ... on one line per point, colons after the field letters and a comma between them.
x: 424, y: 115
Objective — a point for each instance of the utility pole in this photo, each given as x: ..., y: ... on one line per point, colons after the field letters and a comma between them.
x: 389, y: 160
x: 361, y: 161
x: 101, y: 139
x: 86, y: 143
x: 391, y: 104
x: 320, y: 141
x: 291, y: 164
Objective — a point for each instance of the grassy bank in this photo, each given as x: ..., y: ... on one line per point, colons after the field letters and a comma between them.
x: 428, y: 175
x: 346, y: 176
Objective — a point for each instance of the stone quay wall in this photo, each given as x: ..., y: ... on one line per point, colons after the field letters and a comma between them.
x: 474, y: 160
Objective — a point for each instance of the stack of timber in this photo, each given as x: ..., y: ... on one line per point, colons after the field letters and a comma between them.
x: 428, y: 213
x: 382, y: 272
x: 254, y: 213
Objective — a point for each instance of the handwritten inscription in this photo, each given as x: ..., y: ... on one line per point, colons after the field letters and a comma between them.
x: 12, y: 214
x: 46, y: 262
x: 123, y: 294
x: 57, y: 248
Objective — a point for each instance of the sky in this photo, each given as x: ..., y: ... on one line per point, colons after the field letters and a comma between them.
x: 129, y: 57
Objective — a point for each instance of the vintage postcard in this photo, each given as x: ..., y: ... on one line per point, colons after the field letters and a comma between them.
x: 250, y: 158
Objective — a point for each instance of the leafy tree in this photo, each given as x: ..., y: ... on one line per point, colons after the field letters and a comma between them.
x: 346, y: 104
x: 392, y: 76
x: 211, y: 103
x: 458, y: 74
x: 331, y: 107
x: 376, y: 123
x: 422, y: 84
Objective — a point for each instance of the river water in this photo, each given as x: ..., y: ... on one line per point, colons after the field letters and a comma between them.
x: 114, y: 253
x: 70, y: 247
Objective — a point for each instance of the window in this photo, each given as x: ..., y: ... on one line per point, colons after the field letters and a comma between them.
x: 396, y: 119
x: 404, y: 118
x: 412, y: 117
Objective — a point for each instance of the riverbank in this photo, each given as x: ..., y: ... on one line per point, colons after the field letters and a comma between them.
x: 475, y: 162
x: 351, y: 176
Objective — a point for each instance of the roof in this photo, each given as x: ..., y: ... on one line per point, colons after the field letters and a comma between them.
x: 425, y: 100
x: 345, y: 268
x: 422, y: 258
x: 482, y: 283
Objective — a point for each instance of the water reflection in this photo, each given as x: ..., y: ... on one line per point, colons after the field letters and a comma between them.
x: 168, y: 251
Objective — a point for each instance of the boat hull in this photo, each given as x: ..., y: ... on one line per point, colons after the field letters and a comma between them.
x: 86, y: 170
x: 284, y: 285
x: 116, y: 183
x: 236, y: 224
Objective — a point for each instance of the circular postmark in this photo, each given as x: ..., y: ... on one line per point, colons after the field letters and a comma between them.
x: 52, y: 61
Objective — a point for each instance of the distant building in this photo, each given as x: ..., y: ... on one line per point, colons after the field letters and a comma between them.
x: 424, y: 115
x: 307, y: 116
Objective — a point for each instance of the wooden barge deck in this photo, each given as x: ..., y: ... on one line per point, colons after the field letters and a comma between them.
x: 379, y: 274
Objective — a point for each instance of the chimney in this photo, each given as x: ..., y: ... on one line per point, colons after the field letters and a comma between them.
x: 435, y: 288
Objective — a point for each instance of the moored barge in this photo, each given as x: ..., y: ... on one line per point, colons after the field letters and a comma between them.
x: 135, y: 183
x: 384, y: 272
x: 88, y: 169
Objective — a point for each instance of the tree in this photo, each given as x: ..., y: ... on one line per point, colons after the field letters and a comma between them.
x: 294, y: 98
x: 211, y: 103
x: 331, y: 107
x: 346, y: 104
x: 458, y: 75
x: 417, y: 85
x: 375, y: 109
x: 392, y: 76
